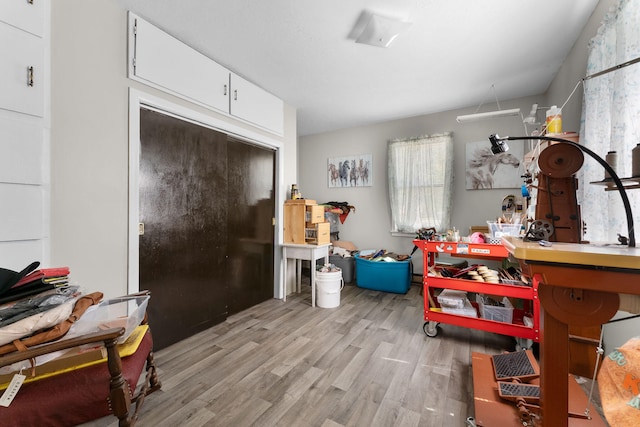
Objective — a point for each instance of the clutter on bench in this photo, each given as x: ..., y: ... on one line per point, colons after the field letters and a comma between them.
x: 77, y: 367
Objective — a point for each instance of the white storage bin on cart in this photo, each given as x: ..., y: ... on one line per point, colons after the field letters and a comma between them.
x: 456, y: 302
x: 493, y: 312
x: 501, y: 229
x: 452, y: 298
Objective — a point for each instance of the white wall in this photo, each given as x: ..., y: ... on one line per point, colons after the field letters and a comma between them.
x: 89, y: 148
x: 369, y: 227
x: 89, y: 140
x: 573, y: 69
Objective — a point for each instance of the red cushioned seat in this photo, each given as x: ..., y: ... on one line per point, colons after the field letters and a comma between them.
x: 77, y: 396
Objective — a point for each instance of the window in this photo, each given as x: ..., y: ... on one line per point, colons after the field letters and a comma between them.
x: 611, y: 120
x: 420, y: 179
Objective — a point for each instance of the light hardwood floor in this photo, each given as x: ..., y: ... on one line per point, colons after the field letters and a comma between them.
x: 365, y: 363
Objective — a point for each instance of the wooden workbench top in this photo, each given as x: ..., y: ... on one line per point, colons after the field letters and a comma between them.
x: 611, y: 256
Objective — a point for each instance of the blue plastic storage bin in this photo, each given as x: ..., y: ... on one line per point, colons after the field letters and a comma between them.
x: 383, y: 276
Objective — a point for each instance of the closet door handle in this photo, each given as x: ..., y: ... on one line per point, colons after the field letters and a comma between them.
x: 225, y: 90
x: 235, y: 95
x: 30, y: 76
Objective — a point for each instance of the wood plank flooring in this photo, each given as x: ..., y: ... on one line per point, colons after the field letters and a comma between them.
x: 365, y: 363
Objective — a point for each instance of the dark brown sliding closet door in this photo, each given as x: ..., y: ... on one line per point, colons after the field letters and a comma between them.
x: 251, y: 208
x: 206, y: 201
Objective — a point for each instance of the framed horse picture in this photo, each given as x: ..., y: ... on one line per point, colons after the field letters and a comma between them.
x: 349, y: 171
x: 485, y: 170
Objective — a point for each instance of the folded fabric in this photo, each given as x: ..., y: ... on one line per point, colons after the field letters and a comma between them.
x: 57, y: 331
x: 341, y: 252
x: 36, y: 304
x: 42, y: 274
x: 8, y: 278
x: 619, y: 385
x: 29, y: 289
x: 31, y: 324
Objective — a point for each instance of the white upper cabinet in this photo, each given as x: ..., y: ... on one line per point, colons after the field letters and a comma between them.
x: 256, y: 105
x: 22, y: 52
x: 164, y: 62
x: 27, y: 15
x: 24, y: 150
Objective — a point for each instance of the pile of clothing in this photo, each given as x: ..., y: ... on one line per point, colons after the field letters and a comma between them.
x: 342, y: 209
x: 38, y: 306
x: 383, y: 255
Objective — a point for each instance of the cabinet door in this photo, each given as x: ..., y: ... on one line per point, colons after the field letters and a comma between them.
x: 16, y: 255
x: 165, y: 62
x: 23, y: 14
x: 22, y: 217
x: 256, y: 105
x: 21, y: 71
x: 21, y: 152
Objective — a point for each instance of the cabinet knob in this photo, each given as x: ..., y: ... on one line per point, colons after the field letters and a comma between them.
x: 235, y: 95
x: 30, y: 76
x: 225, y: 90
x: 30, y: 1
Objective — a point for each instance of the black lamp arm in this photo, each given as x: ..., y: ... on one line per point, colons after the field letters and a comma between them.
x: 603, y: 163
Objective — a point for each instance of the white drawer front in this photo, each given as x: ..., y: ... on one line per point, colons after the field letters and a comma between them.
x: 21, y: 213
x: 21, y: 71
x: 21, y: 152
x: 23, y: 14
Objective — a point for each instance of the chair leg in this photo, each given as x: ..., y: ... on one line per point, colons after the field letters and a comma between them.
x: 151, y: 384
x: 119, y: 391
x: 152, y: 374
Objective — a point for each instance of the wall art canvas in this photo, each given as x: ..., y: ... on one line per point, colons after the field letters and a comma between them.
x: 485, y: 170
x: 350, y: 171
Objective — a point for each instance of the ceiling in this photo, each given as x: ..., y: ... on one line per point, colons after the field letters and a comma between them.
x: 303, y: 51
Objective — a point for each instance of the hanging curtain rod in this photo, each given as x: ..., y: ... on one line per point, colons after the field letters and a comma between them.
x: 614, y: 68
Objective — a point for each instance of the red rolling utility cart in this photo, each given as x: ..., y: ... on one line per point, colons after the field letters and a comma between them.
x: 493, y: 321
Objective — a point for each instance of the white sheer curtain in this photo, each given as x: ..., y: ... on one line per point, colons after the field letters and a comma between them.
x: 420, y: 179
x: 611, y: 120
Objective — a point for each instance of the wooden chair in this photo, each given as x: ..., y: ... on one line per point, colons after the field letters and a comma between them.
x: 88, y: 393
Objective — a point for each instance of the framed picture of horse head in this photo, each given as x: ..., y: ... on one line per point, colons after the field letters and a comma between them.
x: 485, y: 170
x: 350, y: 171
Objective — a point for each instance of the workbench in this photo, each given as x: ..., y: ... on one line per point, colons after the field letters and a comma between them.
x: 579, y: 284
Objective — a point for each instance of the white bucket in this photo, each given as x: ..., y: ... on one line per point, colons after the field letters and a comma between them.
x: 328, y: 287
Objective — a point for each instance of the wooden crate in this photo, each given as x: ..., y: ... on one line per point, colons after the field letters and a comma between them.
x: 299, y: 216
x: 294, y: 222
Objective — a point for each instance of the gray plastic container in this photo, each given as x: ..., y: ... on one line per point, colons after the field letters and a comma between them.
x: 347, y: 265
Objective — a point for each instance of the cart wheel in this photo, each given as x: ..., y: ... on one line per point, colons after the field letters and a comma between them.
x: 430, y: 328
x: 523, y: 344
